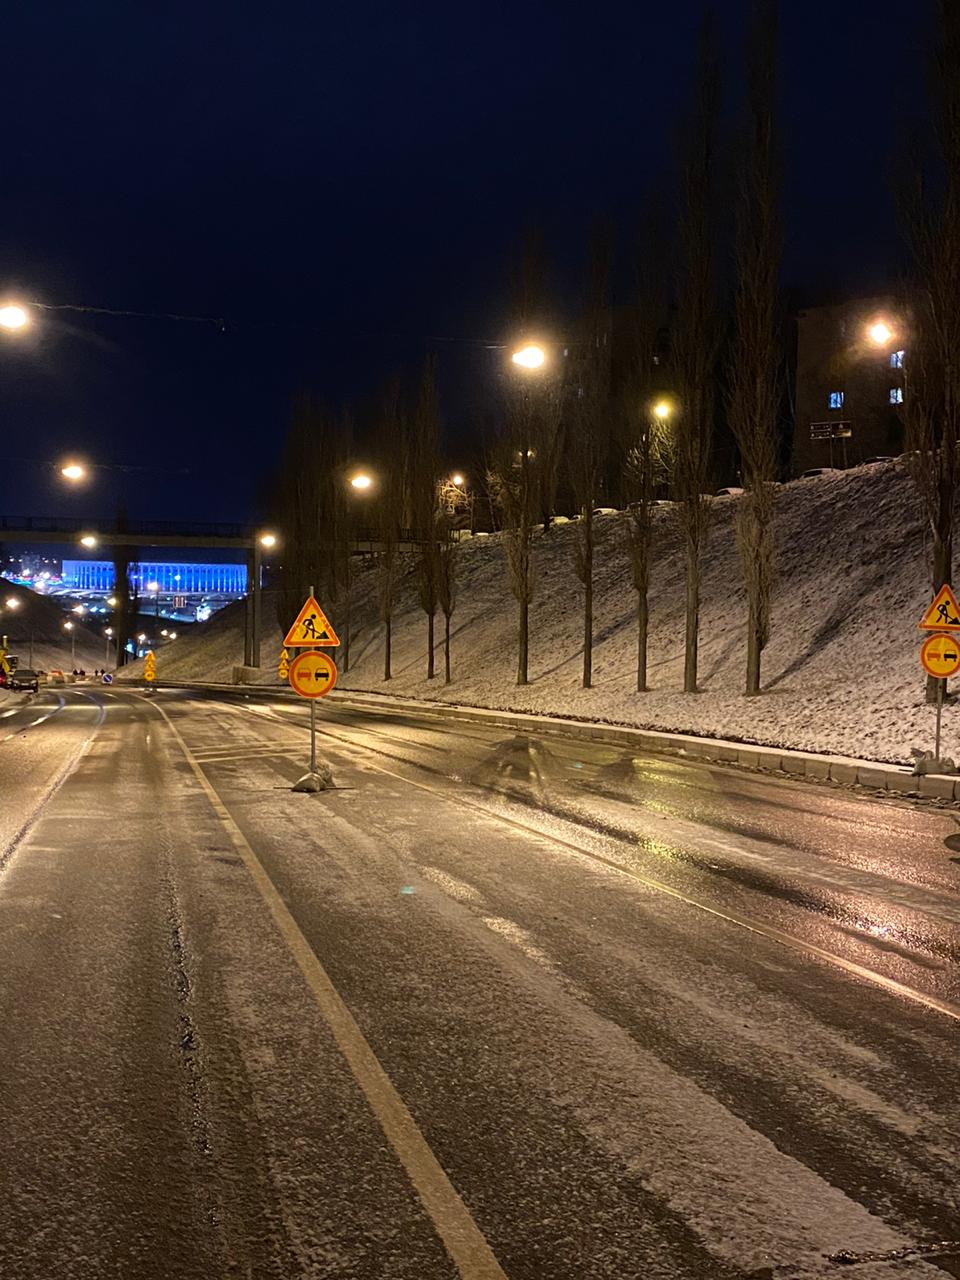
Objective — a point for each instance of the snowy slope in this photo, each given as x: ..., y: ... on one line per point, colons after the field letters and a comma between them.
x: 841, y: 674
x: 40, y: 620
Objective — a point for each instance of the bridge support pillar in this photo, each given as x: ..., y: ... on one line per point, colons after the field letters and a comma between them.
x: 257, y: 618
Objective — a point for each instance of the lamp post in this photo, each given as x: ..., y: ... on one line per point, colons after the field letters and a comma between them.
x: 529, y: 359
x: 362, y: 484
x: 68, y: 626
x: 108, y: 632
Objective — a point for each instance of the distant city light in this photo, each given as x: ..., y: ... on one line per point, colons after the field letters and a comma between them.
x: 112, y: 601
x: 13, y: 317
x: 80, y: 608
x: 153, y: 586
x: 141, y: 637
x: 173, y: 635
x: 529, y: 357
x: 163, y: 631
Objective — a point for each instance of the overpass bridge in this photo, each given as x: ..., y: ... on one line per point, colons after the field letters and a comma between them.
x: 209, y: 536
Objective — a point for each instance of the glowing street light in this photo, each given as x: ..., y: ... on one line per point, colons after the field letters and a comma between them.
x: 12, y: 602
x: 108, y: 632
x: 361, y: 481
x: 80, y: 609
x: 73, y: 472
x: 662, y: 410
x: 880, y: 333
x: 88, y: 540
x: 173, y: 635
x: 111, y: 602
x: 457, y: 479
x: 68, y: 626
x: 268, y: 540
x: 141, y: 637
x: 13, y: 317
x: 530, y: 357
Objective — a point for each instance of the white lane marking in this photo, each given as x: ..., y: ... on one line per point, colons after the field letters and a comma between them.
x: 462, y: 1238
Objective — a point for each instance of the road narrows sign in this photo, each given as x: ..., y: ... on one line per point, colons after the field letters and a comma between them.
x: 943, y: 614
x: 312, y: 675
x: 149, y: 666
x: 940, y: 656
x: 312, y: 628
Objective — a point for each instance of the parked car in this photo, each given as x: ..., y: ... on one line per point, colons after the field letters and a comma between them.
x: 24, y: 678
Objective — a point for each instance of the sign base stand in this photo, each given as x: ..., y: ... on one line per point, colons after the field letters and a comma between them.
x: 318, y: 779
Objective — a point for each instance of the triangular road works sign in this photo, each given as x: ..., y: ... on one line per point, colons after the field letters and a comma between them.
x: 312, y: 627
x: 943, y: 614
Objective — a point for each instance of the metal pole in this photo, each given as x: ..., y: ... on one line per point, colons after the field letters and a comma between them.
x: 248, y: 616
x: 936, y: 747
x: 313, y: 719
x: 30, y: 663
x: 257, y: 606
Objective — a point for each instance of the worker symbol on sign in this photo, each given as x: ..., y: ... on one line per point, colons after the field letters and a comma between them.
x: 943, y: 614
x: 312, y: 627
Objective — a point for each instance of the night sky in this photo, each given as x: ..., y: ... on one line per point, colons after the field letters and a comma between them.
x: 345, y: 185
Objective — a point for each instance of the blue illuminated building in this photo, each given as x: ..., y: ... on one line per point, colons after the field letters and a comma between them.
x: 175, y: 579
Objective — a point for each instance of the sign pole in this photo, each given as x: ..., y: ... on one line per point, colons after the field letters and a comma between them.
x: 936, y: 745
x: 312, y: 675
x: 313, y: 718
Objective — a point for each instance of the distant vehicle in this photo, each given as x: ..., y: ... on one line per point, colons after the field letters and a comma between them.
x: 818, y: 471
x: 57, y: 677
x: 24, y: 678
x: 731, y: 491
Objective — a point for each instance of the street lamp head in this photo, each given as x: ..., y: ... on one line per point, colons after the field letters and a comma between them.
x: 13, y: 317
x: 141, y: 637
x: 530, y: 356
x: 111, y: 602
x: 108, y: 631
x: 68, y: 626
x: 88, y: 540
x: 12, y: 602
x: 457, y: 479
x: 662, y: 410
x: 361, y: 481
x: 880, y: 333
x: 163, y: 631
x: 173, y: 635
x: 268, y: 540
x: 73, y: 471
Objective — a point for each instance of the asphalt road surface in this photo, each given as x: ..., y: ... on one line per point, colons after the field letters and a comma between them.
x: 495, y: 1006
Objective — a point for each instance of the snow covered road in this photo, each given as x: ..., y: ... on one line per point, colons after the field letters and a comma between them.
x: 494, y: 1006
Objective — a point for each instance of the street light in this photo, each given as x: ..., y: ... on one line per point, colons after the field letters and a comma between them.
x: 12, y: 602
x: 361, y: 481
x: 662, y: 410
x: 457, y: 479
x: 80, y: 608
x: 108, y: 632
x: 13, y: 317
x: 268, y: 540
x: 88, y: 540
x: 73, y: 472
x: 531, y: 356
x: 68, y: 626
x: 111, y: 602
x: 880, y: 333
x: 173, y: 635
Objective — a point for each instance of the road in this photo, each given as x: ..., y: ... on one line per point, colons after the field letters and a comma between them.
x: 495, y: 1006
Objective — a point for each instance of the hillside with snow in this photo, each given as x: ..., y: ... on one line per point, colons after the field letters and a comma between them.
x: 34, y: 627
x: 841, y: 674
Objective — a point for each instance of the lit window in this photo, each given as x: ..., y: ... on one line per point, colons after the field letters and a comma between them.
x: 836, y: 399
x: 896, y: 395
x: 896, y: 359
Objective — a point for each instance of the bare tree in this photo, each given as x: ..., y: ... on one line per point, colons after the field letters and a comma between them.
x: 424, y: 479
x: 391, y: 454
x: 590, y: 422
x: 697, y: 332
x: 446, y: 589
x: 930, y: 211
x: 646, y: 453
x: 755, y: 382
x: 296, y: 503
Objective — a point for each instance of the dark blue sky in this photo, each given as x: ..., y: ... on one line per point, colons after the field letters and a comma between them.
x: 342, y: 183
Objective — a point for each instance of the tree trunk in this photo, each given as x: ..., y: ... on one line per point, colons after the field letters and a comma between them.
x: 524, y: 641
x: 754, y: 650
x: 693, y: 622
x: 346, y: 635
x: 430, y: 670
x: 387, y: 635
x: 587, y: 596
x: 446, y: 648
x: 643, y: 624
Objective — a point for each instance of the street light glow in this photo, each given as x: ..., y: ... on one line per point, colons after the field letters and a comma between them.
x: 361, y: 481
x: 457, y: 479
x: 13, y: 317
x: 268, y: 540
x: 880, y: 333
x: 88, y: 540
x: 662, y: 410
x: 529, y: 357
x: 153, y: 586
x: 12, y: 602
x: 173, y: 635
x: 108, y: 632
x: 141, y: 637
x: 73, y: 471
x: 80, y: 608
x: 68, y: 626
x: 111, y: 602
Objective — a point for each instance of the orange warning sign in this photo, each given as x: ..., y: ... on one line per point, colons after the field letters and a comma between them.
x: 940, y: 656
x: 943, y: 614
x: 312, y: 627
x: 312, y: 675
